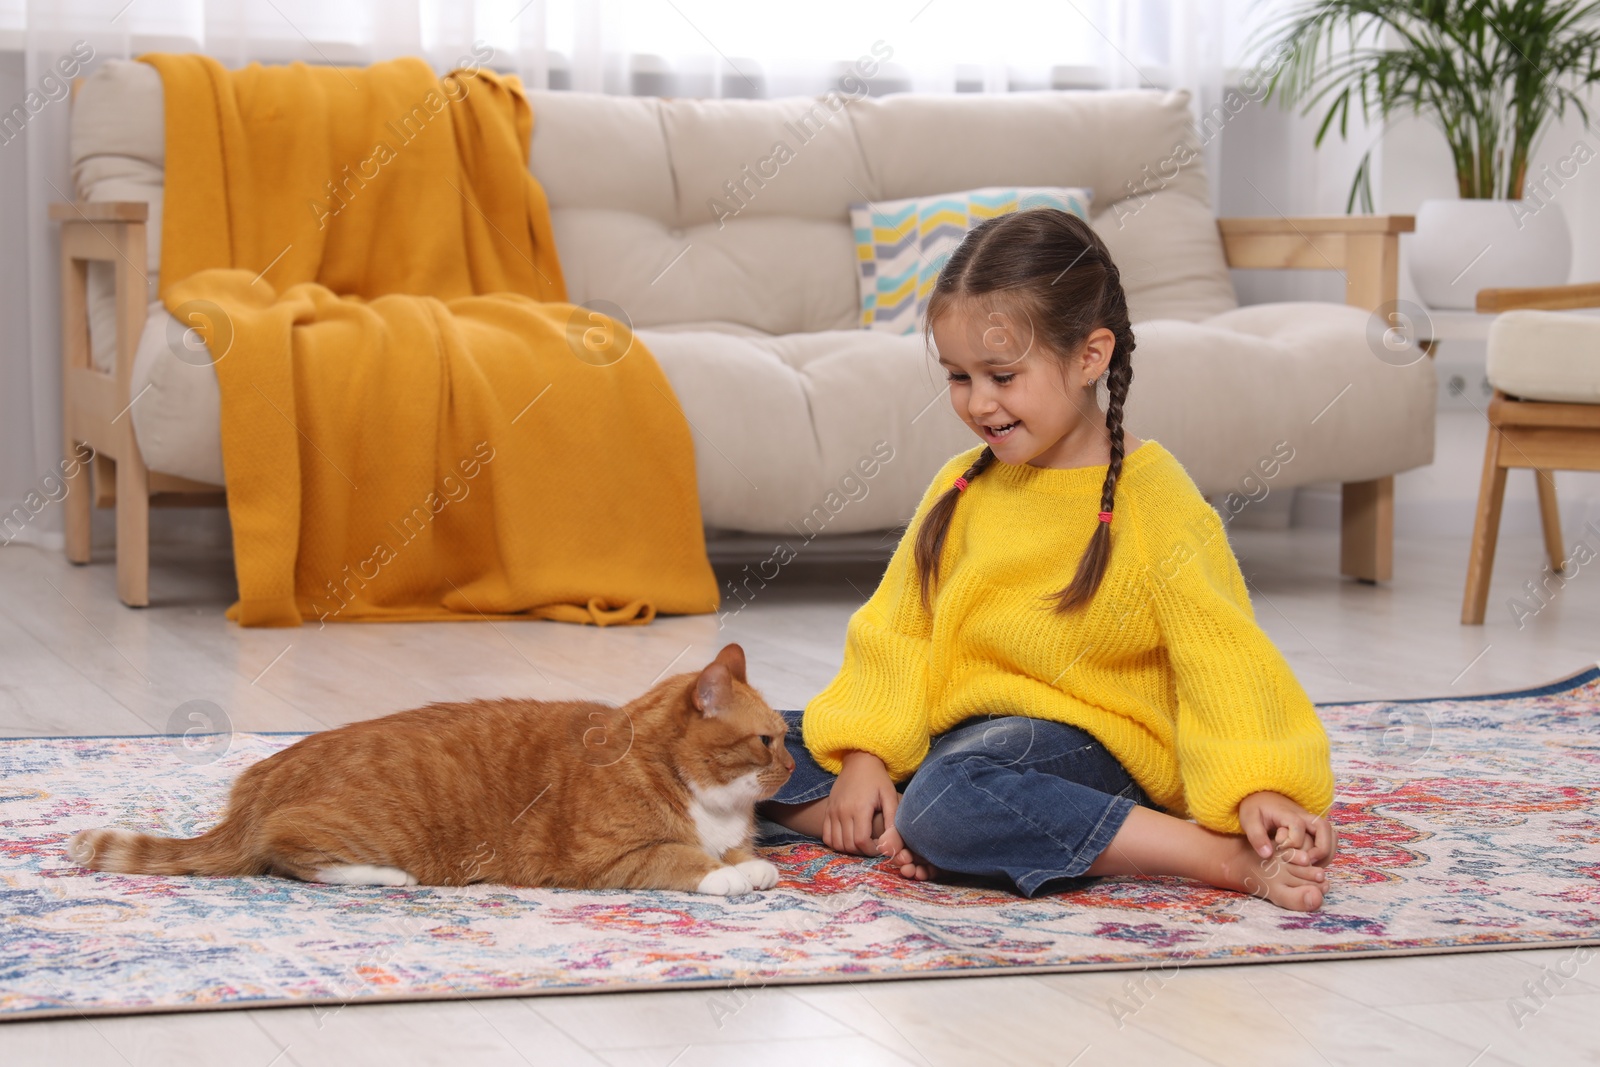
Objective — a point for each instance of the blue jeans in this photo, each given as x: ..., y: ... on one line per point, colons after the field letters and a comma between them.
x: 1027, y: 801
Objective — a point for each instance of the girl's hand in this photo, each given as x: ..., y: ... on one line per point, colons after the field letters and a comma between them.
x: 863, y: 789
x: 1273, y: 820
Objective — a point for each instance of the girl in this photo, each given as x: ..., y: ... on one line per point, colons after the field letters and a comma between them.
x: 1061, y: 666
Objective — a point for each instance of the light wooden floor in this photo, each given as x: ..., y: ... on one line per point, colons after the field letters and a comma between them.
x: 73, y: 661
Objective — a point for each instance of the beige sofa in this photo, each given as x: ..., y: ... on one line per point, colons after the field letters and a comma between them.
x: 739, y: 275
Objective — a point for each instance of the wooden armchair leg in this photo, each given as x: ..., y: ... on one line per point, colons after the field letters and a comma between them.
x: 1366, y: 530
x: 1550, y: 518
x: 133, y: 532
x: 1485, y: 532
x: 77, y: 507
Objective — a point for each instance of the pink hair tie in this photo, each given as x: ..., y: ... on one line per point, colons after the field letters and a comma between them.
x: 1105, y: 516
x: 961, y: 484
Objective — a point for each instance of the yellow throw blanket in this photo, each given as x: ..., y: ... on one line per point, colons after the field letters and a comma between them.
x: 415, y: 424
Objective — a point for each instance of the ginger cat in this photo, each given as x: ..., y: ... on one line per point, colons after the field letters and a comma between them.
x: 657, y: 794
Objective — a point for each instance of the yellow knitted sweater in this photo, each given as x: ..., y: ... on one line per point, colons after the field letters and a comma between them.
x: 1166, y: 667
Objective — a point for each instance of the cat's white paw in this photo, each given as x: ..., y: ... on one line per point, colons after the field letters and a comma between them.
x: 364, y: 874
x: 725, y: 882
x: 762, y: 874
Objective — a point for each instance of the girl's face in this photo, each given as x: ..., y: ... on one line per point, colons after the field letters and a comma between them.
x: 1027, y: 404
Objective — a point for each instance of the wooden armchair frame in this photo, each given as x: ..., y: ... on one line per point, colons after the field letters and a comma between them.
x: 1366, y: 248
x: 1543, y: 435
x: 96, y: 406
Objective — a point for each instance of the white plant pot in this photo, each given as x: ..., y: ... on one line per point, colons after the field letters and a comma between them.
x: 1461, y: 246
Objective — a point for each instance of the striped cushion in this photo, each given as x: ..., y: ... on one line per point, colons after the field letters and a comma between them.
x: 902, y: 244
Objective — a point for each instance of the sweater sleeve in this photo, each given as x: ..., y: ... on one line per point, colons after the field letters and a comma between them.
x: 877, y: 702
x: 1244, y: 722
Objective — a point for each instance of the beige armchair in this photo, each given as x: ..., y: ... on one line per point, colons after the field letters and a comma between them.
x: 1545, y: 413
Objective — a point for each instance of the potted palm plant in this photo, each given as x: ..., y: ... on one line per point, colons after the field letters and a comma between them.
x: 1490, y: 75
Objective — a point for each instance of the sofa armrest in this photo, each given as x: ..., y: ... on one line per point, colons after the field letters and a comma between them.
x: 1546, y: 298
x: 114, y: 232
x: 1366, y: 248
x: 94, y: 404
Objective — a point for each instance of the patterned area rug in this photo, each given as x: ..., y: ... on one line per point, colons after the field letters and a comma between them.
x: 1469, y: 823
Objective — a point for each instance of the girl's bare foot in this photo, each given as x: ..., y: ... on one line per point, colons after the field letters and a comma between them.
x: 1294, y: 886
x: 1153, y: 842
x: 911, y: 866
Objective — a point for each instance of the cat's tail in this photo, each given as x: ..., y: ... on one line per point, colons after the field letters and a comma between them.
x: 219, y: 851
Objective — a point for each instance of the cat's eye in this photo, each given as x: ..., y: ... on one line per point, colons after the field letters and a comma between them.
x: 765, y: 739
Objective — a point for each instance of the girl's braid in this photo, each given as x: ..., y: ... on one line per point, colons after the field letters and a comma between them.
x: 930, y: 538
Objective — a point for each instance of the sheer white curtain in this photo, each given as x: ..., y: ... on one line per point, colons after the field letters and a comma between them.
x: 685, y: 48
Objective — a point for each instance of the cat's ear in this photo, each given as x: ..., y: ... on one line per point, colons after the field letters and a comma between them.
x: 713, y: 690
x: 732, y: 657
